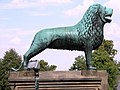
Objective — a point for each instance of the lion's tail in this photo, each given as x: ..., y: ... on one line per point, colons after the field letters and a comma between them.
x: 21, y: 65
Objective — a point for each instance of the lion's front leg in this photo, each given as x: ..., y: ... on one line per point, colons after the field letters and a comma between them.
x: 88, y: 55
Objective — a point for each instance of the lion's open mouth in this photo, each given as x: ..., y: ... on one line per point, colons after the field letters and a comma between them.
x: 108, y: 14
x: 108, y: 18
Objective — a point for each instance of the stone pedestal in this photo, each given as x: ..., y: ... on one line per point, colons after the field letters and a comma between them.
x: 60, y: 80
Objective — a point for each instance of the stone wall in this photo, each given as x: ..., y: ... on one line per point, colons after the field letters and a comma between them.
x: 60, y: 80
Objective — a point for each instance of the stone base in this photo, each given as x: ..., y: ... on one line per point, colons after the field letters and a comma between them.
x: 60, y: 80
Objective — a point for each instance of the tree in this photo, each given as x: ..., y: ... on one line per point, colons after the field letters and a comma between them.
x: 107, y: 45
x: 79, y: 63
x: 45, y: 67
x: 10, y: 59
x: 103, y: 59
x: 118, y: 65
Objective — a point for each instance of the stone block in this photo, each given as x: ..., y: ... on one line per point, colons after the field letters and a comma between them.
x: 60, y: 80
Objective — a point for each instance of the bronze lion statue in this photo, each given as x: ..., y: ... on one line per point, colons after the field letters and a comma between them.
x: 86, y: 35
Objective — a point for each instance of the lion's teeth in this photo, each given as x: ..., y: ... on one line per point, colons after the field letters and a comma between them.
x: 108, y: 18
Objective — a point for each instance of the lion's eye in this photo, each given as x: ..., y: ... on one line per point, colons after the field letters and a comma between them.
x: 105, y: 9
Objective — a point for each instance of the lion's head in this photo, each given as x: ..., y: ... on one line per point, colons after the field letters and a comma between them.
x: 97, y: 11
x: 105, y: 13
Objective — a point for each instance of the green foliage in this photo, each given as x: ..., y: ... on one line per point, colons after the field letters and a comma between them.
x: 45, y: 67
x: 10, y: 59
x: 3, y: 78
x: 79, y: 63
x: 108, y: 46
x: 102, y: 59
x: 118, y: 65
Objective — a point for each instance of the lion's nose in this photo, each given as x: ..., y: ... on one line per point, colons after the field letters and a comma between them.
x: 112, y: 10
x: 109, y: 11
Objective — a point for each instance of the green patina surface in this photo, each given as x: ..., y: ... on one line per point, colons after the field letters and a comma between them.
x: 86, y: 35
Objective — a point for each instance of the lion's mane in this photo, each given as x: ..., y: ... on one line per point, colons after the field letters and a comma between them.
x: 90, y: 27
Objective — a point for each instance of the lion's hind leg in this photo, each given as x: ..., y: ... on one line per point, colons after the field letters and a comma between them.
x: 33, y: 51
x: 40, y: 42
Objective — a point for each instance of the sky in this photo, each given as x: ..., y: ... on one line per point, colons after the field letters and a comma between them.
x: 20, y: 20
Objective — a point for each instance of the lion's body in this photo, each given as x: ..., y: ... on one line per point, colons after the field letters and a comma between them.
x: 86, y: 35
x: 69, y: 38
